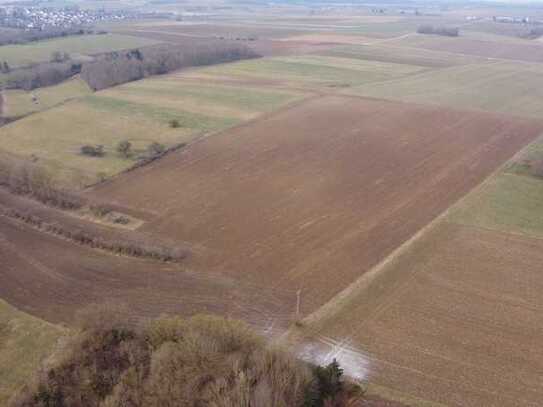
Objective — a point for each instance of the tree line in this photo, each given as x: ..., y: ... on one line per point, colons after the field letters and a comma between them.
x: 114, y: 68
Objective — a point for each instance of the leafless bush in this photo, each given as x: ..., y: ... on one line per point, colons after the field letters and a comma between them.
x: 24, y: 178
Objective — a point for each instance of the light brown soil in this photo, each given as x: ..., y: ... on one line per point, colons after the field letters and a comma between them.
x: 331, y: 39
x: 53, y: 278
x: 529, y: 51
x: 262, y: 46
x: 456, y: 319
x: 314, y: 196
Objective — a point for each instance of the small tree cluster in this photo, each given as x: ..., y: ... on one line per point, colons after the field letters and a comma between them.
x: 59, y: 56
x: 124, y: 148
x: 93, y: 151
x: 4, y: 67
x: 24, y: 178
x: 445, y: 31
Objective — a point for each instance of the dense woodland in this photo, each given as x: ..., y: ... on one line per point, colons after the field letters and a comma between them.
x: 114, y: 68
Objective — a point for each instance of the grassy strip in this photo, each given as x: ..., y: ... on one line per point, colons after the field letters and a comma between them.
x: 185, y: 119
x: 25, y: 341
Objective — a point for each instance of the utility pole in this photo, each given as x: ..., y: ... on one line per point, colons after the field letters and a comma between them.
x: 298, y: 300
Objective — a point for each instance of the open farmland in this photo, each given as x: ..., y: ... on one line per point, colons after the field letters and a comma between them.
x: 53, y: 278
x: 79, y: 47
x: 495, y: 48
x: 356, y: 179
x: 382, y: 51
x: 312, y: 70
x: 139, y: 112
x: 501, y: 87
x: 455, y: 316
x: 18, y: 103
x: 455, y: 319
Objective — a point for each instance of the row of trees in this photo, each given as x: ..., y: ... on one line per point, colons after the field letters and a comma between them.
x: 26, y: 36
x: 125, y: 150
x: 115, y: 68
x: 120, y: 67
x: 446, y: 31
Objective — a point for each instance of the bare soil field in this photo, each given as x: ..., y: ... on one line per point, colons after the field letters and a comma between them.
x: 455, y: 319
x: 526, y: 51
x: 263, y: 46
x: 53, y: 278
x: 314, y: 196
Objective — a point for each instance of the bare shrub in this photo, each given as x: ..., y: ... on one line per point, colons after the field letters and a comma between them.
x: 24, y: 178
x: 92, y: 151
x: 124, y: 148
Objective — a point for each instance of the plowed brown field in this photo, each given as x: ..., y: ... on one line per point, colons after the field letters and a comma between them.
x: 519, y: 51
x: 456, y: 319
x: 52, y: 278
x: 314, y: 196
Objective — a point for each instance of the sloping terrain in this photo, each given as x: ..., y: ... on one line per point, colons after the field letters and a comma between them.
x: 314, y: 196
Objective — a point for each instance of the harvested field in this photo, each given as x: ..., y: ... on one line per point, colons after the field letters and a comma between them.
x: 501, y: 87
x: 497, y: 49
x: 455, y: 319
x: 53, y: 278
x: 393, y: 54
x: 330, y: 39
x: 335, y: 183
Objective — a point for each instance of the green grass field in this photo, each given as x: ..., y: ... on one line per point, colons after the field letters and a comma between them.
x: 25, y: 342
x: 216, y: 101
x: 507, y: 202
x: 315, y: 70
x: 139, y: 112
x: 21, y: 103
x: 501, y: 87
x: 77, y: 46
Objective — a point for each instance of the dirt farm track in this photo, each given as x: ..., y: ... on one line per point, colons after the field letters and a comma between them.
x: 332, y: 184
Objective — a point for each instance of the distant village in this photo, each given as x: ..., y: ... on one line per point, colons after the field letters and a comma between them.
x: 37, y: 18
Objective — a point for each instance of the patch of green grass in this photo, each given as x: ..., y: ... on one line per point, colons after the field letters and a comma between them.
x: 316, y: 69
x: 497, y: 87
x: 76, y: 46
x: 188, y: 120
x: 20, y: 103
x: 506, y: 202
x: 25, y: 341
x: 243, y: 98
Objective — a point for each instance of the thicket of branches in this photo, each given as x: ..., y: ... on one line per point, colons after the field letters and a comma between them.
x: 25, y: 178
x: 202, y: 361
